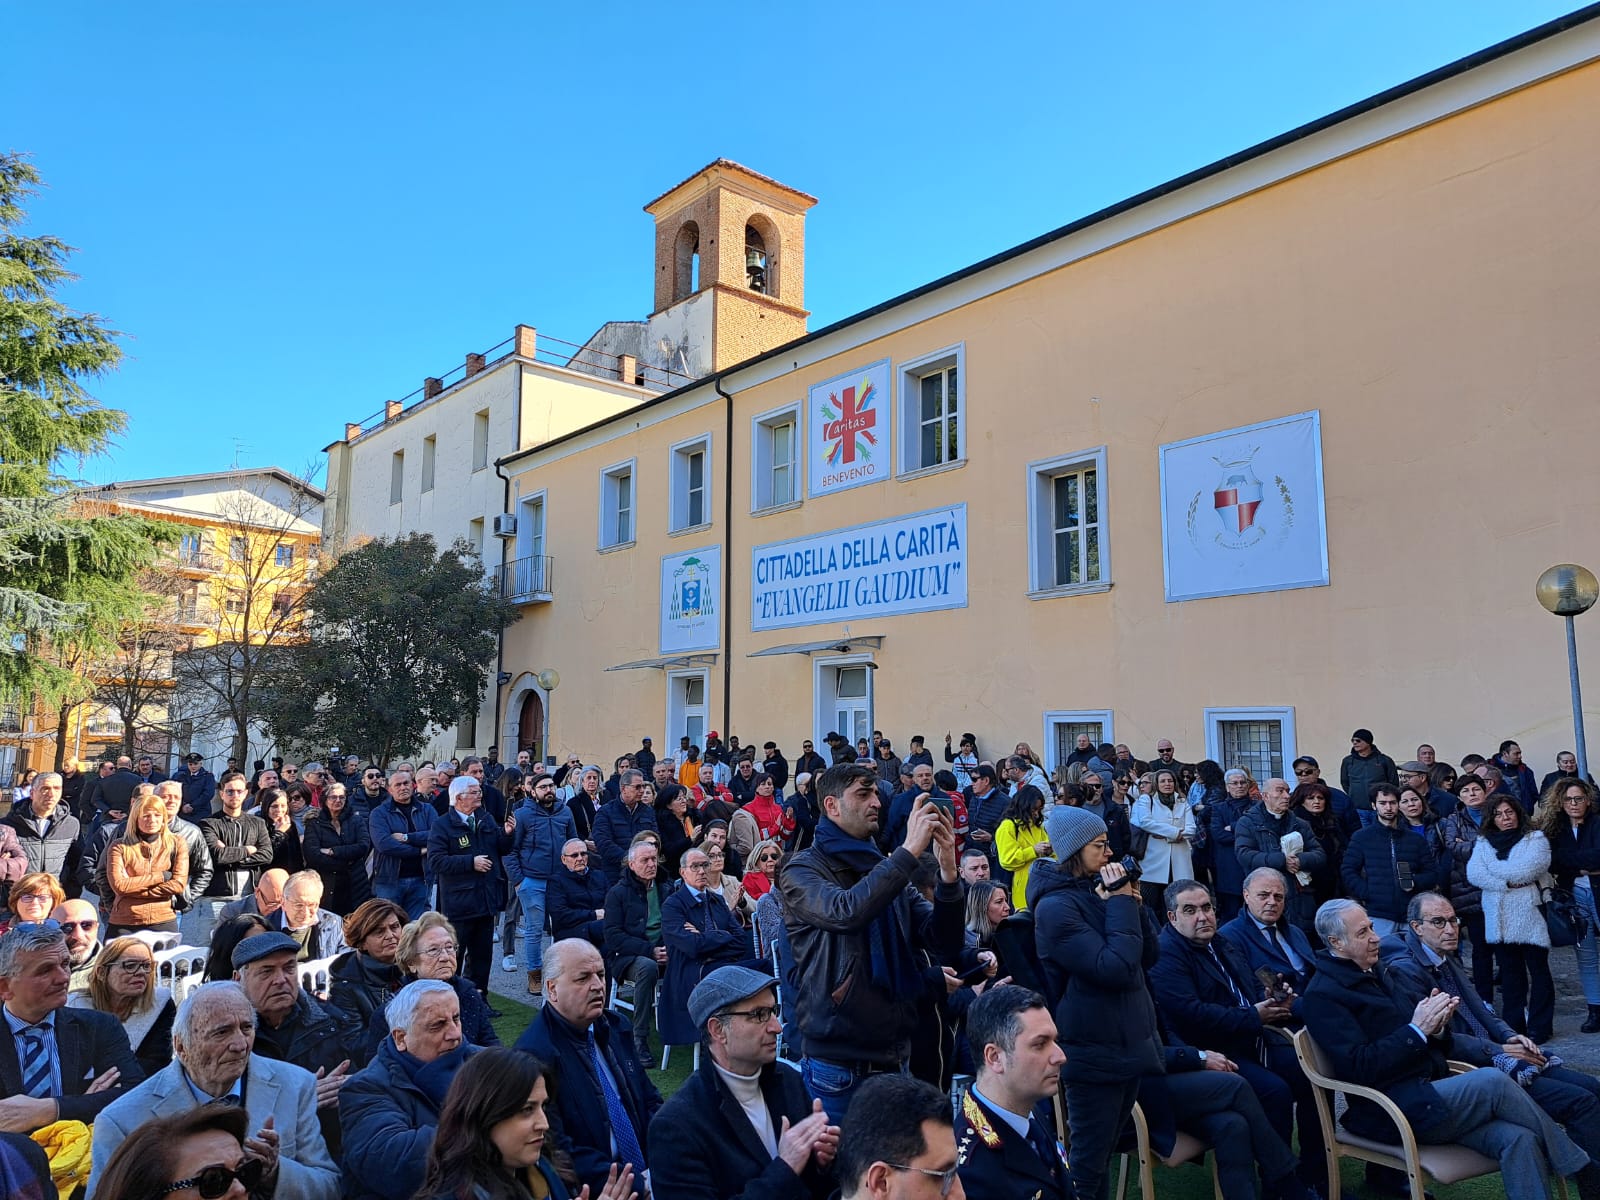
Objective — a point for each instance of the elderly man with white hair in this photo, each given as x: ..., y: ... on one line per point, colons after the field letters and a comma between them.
x: 1267, y: 835
x: 464, y: 854
x: 389, y: 1110
x: 213, y: 1037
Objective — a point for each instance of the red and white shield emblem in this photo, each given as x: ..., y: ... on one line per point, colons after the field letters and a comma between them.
x: 1236, y: 498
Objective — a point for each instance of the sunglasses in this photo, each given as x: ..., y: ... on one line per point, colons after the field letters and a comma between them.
x: 213, y: 1182
x: 86, y: 926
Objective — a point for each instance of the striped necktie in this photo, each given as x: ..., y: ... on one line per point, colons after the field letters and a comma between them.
x: 36, y: 1074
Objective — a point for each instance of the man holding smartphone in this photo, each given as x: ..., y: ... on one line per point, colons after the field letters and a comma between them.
x: 1387, y: 863
x: 856, y: 925
x: 1205, y: 989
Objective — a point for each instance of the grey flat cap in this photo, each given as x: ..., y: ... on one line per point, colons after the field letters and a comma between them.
x: 725, y: 986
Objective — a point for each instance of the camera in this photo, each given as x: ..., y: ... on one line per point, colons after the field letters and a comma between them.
x: 1130, y: 864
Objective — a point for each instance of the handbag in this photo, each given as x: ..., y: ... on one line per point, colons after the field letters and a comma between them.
x: 1563, y: 918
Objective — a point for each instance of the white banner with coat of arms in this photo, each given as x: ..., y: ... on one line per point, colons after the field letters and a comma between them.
x: 691, y: 608
x: 1242, y: 510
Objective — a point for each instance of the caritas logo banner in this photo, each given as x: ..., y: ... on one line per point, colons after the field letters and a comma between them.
x: 848, y: 420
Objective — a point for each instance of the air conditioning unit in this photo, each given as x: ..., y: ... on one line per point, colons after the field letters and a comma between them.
x: 505, y: 525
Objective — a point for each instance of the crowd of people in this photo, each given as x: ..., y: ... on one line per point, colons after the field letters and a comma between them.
x: 889, y: 970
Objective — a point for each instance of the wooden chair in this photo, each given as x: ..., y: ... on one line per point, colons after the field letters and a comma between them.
x: 1186, y: 1149
x: 1444, y: 1164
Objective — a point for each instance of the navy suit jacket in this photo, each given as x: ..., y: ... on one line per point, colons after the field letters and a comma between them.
x: 1258, y: 952
x: 1196, y: 1000
x: 996, y: 1164
x: 90, y: 1043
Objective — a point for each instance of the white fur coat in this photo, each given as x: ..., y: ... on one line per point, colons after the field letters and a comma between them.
x: 1511, y: 914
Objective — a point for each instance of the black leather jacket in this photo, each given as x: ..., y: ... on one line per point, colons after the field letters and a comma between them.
x: 829, y: 910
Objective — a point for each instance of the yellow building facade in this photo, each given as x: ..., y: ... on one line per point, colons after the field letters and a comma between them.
x: 247, y: 549
x: 1261, y: 456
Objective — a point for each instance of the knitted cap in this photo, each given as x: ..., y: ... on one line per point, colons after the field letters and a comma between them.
x: 1070, y: 829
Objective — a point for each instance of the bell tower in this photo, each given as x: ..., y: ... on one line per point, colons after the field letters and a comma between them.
x: 730, y: 263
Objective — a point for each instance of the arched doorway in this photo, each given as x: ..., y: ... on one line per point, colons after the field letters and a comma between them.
x: 530, y: 725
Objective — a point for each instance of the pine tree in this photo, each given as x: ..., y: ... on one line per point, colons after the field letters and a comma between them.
x: 67, y: 573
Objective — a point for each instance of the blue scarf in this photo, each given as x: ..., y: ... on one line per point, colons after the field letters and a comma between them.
x: 434, y: 1077
x: 888, y: 941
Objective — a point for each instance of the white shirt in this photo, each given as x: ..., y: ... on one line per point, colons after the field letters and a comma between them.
x: 746, y: 1090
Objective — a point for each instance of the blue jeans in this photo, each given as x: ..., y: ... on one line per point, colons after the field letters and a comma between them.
x: 409, y: 894
x: 1588, y: 948
x: 530, y: 894
x: 834, y: 1084
x: 1489, y: 1113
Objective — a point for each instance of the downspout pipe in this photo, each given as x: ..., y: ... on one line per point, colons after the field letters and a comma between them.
x: 727, y: 559
x: 505, y: 549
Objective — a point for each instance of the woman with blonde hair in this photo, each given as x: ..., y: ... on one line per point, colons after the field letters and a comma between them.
x: 123, y: 983
x: 146, y: 869
x: 763, y: 872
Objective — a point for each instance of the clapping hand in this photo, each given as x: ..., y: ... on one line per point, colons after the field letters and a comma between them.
x: 1433, y: 1012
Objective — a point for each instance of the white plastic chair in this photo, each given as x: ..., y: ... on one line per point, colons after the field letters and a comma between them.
x: 156, y: 940
x: 315, y: 977
x: 180, y: 962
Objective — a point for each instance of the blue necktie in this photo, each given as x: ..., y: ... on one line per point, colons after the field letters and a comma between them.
x: 627, y: 1140
x: 36, y: 1074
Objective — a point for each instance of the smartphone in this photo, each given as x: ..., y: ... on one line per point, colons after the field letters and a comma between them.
x: 940, y: 801
x: 976, y: 975
x: 1274, y: 984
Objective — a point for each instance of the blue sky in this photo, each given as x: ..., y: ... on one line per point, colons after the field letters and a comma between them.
x: 296, y: 211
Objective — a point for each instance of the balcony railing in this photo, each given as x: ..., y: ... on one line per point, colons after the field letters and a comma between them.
x: 526, y: 580
x: 196, y: 560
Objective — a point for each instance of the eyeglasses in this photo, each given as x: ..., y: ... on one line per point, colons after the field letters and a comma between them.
x: 946, y: 1179
x: 696, y: 867
x: 439, y: 952
x: 577, y: 854
x: 213, y: 1182
x: 1443, y: 922
x: 756, y: 1016
x: 86, y: 926
x: 134, y: 966
x: 1305, y: 771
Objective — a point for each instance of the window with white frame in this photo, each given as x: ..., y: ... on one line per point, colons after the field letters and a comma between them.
x: 691, y: 485
x: 1062, y: 727
x: 430, y: 452
x: 190, y: 548
x: 616, y: 505
x: 1261, y: 740
x: 775, y: 459
x: 1067, y: 530
x: 933, y: 428
x: 283, y: 554
x: 397, y: 477
x: 480, y: 440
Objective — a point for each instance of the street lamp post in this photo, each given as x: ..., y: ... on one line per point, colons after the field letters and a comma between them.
x: 549, y: 679
x: 1567, y: 590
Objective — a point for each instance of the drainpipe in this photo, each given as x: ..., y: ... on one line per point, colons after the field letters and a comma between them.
x: 505, y: 549
x: 727, y: 559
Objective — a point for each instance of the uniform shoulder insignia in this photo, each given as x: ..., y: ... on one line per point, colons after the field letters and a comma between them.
x: 979, y: 1120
